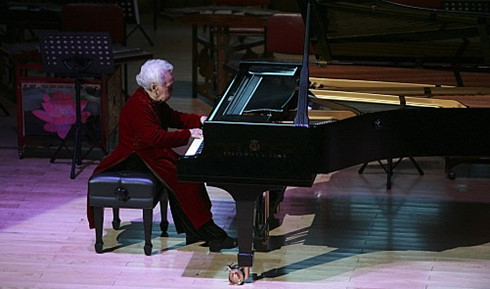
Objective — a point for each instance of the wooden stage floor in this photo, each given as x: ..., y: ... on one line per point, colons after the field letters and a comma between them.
x: 347, y: 231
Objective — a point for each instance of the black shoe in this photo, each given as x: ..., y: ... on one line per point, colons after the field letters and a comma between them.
x: 164, y: 229
x: 226, y: 243
x: 191, y: 239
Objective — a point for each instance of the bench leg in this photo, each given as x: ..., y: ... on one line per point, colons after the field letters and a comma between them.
x: 98, y: 221
x: 147, y: 223
x: 116, y: 221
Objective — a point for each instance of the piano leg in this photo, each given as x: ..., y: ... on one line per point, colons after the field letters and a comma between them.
x: 245, y: 196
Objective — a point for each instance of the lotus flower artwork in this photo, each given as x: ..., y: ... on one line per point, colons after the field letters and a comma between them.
x: 60, y: 112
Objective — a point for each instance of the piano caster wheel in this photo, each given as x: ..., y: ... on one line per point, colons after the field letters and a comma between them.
x: 237, y: 275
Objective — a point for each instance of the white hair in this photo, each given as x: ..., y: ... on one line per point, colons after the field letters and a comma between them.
x: 153, y: 71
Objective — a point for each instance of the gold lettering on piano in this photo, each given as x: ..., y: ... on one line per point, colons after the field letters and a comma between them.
x: 254, y: 150
x: 261, y: 155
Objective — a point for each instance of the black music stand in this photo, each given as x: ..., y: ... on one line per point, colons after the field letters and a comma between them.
x: 390, y: 165
x: 132, y: 16
x: 76, y: 55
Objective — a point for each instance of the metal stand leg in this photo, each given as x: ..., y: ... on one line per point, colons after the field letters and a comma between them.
x: 138, y: 26
x: 76, y: 131
x: 389, y: 167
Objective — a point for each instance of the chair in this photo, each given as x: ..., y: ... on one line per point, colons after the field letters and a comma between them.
x: 208, y: 59
x: 126, y: 189
x: 243, y: 32
x: 95, y: 17
x: 284, y: 39
x: 246, y: 32
x: 285, y: 35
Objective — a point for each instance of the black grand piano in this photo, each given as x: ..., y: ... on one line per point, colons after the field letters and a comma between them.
x: 275, y: 126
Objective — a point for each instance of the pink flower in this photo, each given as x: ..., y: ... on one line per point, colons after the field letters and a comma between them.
x: 60, y: 113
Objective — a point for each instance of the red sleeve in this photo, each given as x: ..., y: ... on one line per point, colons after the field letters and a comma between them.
x: 177, y: 119
x: 142, y: 125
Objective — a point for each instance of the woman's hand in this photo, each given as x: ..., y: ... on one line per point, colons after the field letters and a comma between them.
x: 196, y: 132
x: 203, y: 118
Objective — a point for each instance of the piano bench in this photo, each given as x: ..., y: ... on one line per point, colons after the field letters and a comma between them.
x: 126, y: 189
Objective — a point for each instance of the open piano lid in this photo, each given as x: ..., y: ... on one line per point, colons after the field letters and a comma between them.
x: 376, y: 32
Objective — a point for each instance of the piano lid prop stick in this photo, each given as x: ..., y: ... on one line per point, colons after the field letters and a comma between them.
x: 301, y: 118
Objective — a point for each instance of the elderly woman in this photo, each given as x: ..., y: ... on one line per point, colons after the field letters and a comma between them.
x: 145, y: 144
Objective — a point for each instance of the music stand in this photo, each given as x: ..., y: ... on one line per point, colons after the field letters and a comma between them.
x: 132, y: 16
x: 76, y: 55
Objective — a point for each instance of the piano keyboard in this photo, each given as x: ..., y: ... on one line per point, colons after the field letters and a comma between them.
x: 195, y: 148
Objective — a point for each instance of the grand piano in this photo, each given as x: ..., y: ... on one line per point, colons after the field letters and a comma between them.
x: 277, y: 126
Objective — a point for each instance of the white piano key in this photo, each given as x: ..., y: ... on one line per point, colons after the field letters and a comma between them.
x: 195, y: 147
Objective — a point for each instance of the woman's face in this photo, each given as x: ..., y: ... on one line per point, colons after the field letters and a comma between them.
x: 163, y: 92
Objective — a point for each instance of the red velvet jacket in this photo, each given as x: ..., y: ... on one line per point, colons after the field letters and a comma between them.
x: 143, y: 129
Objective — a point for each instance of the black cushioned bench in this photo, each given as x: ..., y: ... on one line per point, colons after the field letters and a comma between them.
x: 126, y: 189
